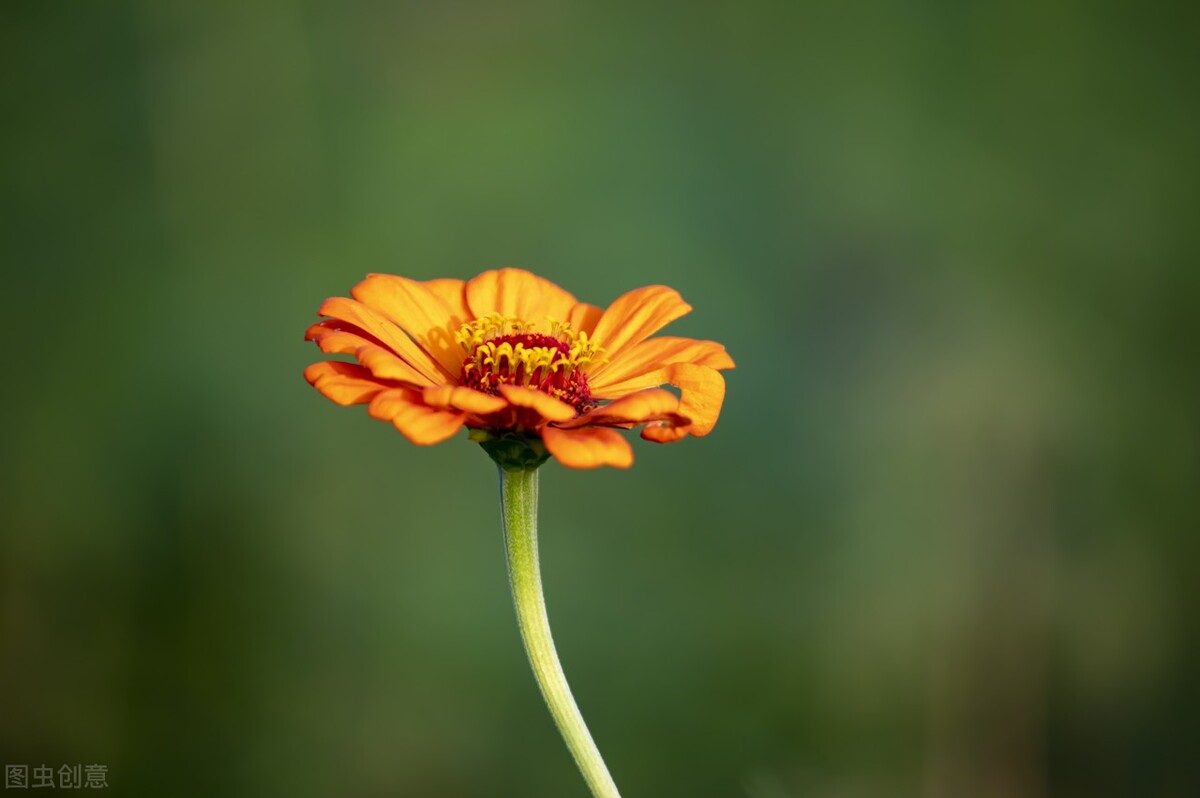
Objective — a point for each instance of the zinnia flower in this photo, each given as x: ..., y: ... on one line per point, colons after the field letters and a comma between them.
x: 514, y: 357
x: 532, y: 373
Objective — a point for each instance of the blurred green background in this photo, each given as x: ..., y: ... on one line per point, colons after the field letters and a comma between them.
x: 942, y: 543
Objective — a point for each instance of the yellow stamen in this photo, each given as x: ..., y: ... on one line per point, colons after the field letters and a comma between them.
x: 548, y: 356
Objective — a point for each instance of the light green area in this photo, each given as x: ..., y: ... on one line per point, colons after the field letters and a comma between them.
x: 942, y: 543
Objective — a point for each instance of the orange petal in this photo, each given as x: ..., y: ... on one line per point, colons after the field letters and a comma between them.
x: 344, y: 383
x: 588, y: 448
x: 702, y: 389
x: 388, y: 333
x: 636, y: 316
x: 702, y: 392
x: 517, y: 293
x: 462, y: 398
x: 651, y: 379
x: 583, y: 317
x: 453, y: 292
x: 327, y: 326
x: 421, y: 424
x: 543, y: 404
x: 379, y: 360
x: 655, y: 353
x: 649, y: 405
x: 419, y: 311
x: 385, y: 364
x: 335, y: 342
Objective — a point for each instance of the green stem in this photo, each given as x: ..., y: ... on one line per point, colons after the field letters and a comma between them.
x: 518, y: 501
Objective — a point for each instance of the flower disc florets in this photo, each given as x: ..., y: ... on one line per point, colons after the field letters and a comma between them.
x: 506, y: 351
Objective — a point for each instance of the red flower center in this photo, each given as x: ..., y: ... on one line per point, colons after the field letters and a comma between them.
x: 530, y: 360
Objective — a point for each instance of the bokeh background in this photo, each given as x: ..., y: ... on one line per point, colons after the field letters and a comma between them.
x: 943, y: 542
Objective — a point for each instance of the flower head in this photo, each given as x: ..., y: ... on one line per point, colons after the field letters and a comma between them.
x: 515, y: 358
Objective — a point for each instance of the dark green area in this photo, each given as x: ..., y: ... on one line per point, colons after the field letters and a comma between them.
x: 942, y: 543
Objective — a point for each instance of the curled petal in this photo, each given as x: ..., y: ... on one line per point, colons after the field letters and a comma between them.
x: 419, y: 311
x: 702, y: 392
x: 459, y: 397
x: 588, y: 448
x: 637, y: 315
x: 344, y: 383
x: 519, y: 294
x: 544, y: 405
x: 663, y: 432
x: 653, y: 354
x: 421, y: 424
x: 653, y: 404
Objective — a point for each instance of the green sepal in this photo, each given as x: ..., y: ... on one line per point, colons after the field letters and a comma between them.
x: 512, y: 451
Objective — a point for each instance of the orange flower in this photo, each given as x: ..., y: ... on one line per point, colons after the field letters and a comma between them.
x: 514, y: 357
